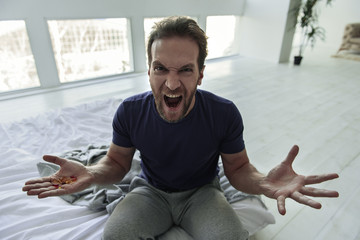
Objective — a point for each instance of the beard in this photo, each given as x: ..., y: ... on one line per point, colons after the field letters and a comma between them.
x: 184, y: 105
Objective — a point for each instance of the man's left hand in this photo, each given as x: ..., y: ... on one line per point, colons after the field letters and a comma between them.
x: 283, y: 182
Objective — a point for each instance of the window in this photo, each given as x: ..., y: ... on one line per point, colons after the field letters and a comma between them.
x: 17, y: 65
x: 222, y: 33
x: 91, y: 48
x: 148, y: 24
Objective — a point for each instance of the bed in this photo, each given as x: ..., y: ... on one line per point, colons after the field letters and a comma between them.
x: 72, y: 130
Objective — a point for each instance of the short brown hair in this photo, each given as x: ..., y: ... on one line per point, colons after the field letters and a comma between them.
x: 181, y: 27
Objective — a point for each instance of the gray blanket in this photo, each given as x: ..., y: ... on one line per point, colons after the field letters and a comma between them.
x: 101, y: 197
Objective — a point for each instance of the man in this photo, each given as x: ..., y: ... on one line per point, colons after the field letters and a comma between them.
x: 180, y: 132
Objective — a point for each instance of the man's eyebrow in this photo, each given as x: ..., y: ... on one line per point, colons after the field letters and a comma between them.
x: 190, y: 65
x: 157, y: 62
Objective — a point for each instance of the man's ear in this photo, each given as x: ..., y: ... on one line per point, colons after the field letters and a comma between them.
x: 201, y: 76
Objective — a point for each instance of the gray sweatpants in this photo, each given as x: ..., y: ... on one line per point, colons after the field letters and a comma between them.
x: 149, y: 213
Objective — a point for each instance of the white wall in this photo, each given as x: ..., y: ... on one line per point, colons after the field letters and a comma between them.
x: 262, y: 29
x: 334, y: 19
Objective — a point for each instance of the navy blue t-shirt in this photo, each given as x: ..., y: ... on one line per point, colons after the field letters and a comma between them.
x: 185, y: 154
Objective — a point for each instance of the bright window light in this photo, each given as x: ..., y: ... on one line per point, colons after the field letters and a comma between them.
x: 222, y: 31
x: 148, y: 24
x: 17, y: 65
x: 91, y: 48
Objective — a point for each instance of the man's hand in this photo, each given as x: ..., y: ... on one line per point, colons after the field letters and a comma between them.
x: 283, y: 182
x: 72, y: 177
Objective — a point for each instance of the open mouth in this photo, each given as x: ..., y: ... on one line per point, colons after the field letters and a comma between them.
x: 172, y: 101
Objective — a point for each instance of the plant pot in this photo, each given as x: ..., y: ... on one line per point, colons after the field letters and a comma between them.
x: 297, y: 60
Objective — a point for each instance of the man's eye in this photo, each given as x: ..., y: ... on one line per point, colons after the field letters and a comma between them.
x: 188, y: 70
x: 159, y: 69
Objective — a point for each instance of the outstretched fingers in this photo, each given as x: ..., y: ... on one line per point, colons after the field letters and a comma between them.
x: 55, y: 191
x: 37, y: 180
x: 291, y: 155
x: 47, y: 189
x: 38, y: 191
x: 300, y: 198
x: 281, y: 204
x: 36, y: 184
x: 54, y: 159
x: 314, y: 179
x: 316, y: 192
x: 62, y: 182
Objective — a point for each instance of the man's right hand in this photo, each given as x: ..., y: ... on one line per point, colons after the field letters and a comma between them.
x: 79, y: 178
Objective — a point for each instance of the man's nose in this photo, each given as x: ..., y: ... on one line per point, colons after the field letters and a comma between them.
x: 172, y: 80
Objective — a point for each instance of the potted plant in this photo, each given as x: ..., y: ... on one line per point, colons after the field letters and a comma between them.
x: 307, y: 19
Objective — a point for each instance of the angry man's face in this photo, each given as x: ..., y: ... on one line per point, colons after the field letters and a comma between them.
x: 174, y: 76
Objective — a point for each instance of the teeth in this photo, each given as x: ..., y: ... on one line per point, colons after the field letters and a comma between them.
x: 172, y: 96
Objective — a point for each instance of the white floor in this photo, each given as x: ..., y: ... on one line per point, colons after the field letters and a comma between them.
x: 316, y: 106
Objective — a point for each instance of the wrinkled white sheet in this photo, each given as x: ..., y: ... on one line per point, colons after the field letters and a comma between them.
x: 22, y: 145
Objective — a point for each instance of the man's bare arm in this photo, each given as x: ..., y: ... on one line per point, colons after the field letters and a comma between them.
x: 280, y: 183
x: 114, y: 166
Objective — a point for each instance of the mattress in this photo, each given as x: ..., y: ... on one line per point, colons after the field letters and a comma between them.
x: 22, y: 144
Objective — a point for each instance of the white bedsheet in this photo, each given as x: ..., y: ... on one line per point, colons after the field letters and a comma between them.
x: 22, y: 145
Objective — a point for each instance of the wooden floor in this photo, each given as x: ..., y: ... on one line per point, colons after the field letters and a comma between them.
x: 316, y: 106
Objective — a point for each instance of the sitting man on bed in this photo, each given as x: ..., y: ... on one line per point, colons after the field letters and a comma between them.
x: 180, y: 132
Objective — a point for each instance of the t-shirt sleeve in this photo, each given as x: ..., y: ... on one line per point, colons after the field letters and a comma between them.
x: 121, y: 134
x: 233, y: 141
